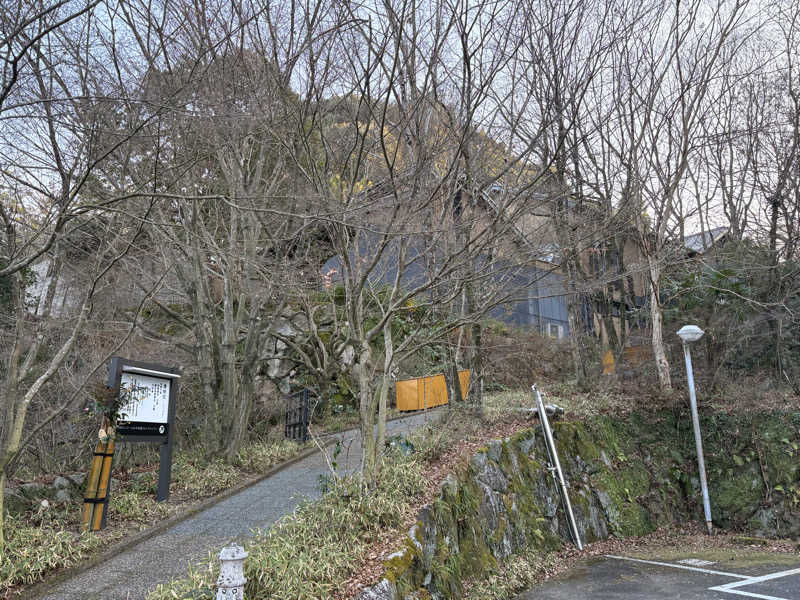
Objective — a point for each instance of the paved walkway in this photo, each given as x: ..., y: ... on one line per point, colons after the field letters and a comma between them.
x: 133, y: 573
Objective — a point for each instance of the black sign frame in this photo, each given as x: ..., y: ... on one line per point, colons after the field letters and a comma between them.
x: 129, y: 433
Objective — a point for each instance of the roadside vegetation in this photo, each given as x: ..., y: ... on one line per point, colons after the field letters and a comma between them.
x: 352, y: 532
x: 45, y: 538
x: 230, y: 194
x: 309, y: 553
x: 35, y: 550
x: 44, y: 533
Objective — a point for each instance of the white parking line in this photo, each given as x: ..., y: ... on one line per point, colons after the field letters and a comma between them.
x: 674, y: 566
x: 747, y: 594
x: 728, y: 588
x: 696, y: 562
x: 750, y: 580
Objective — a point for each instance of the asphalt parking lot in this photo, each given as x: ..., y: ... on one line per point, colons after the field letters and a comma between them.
x: 626, y: 578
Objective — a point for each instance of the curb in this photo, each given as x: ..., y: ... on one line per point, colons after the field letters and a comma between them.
x: 38, y: 590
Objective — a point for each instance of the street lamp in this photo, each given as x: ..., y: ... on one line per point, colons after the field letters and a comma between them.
x: 689, y: 334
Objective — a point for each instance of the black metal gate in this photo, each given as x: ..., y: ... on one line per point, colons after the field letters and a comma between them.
x: 296, y: 427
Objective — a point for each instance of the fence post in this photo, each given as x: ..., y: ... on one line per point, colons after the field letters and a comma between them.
x: 231, y: 580
x: 305, y: 416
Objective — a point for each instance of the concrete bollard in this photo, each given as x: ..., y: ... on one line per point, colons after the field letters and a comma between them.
x: 231, y: 580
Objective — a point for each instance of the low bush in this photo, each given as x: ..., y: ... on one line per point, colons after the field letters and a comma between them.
x: 31, y: 552
x: 507, y: 404
x: 516, y: 575
x: 309, y: 553
x: 131, y: 505
x: 199, y: 478
x: 259, y: 457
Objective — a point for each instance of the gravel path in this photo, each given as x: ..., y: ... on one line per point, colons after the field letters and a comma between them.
x: 133, y: 573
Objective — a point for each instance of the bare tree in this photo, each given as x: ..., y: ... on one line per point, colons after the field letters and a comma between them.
x: 236, y: 231
x: 571, y: 42
x: 400, y: 142
x: 61, y: 107
x: 750, y: 163
x: 662, y: 86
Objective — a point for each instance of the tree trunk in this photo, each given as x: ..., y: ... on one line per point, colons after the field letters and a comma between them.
x: 656, y: 315
x: 229, y: 400
x: 230, y: 389
x: 454, y: 396
x: 367, y: 401
x: 574, y: 319
x: 10, y: 393
x: 388, y: 360
x: 195, y: 281
x: 775, y: 205
x: 455, y: 383
x: 246, y: 384
x: 54, y: 272
x: 475, y: 395
x: 246, y: 391
x: 581, y: 376
x: 476, y: 384
x: 2, y: 514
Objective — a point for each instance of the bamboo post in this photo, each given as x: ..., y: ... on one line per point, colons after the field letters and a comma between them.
x: 97, y: 486
x: 92, y: 482
x: 103, y: 488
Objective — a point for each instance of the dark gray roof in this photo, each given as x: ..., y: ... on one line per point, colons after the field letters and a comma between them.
x: 700, y: 242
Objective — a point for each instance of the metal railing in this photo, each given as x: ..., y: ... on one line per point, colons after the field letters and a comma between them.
x: 297, y: 416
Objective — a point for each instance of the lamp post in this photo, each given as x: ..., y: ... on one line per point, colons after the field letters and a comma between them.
x: 689, y: 334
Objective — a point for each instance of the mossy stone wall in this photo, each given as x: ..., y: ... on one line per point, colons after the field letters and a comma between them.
x: 627, y: 477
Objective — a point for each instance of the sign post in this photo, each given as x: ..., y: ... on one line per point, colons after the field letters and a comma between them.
x: 147, y: 394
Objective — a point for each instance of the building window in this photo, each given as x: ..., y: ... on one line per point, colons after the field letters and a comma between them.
x: 554, y: 330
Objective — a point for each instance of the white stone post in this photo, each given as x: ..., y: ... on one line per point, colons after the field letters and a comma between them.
x: 231, y: 580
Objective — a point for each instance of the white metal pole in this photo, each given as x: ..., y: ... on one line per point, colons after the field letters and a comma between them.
x: 698, y: 441
x: 551, y: 449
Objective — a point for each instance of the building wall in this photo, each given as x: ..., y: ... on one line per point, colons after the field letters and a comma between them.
x: 538, y: 298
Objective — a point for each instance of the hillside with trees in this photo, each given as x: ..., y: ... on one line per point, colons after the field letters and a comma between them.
x: 174, y: 177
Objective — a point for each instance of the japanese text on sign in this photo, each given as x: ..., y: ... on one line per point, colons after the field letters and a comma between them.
x: 144, y: 399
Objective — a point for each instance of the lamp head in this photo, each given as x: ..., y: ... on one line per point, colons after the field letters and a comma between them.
x: 690, y: 333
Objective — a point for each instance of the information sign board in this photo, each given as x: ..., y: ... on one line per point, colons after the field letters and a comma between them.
x: 144, y: 404
x: 147, y: 394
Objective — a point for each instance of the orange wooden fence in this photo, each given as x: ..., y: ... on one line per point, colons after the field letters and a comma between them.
x: 426, y: 392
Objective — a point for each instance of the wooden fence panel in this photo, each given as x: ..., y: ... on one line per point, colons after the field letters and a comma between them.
x: 426, y: 392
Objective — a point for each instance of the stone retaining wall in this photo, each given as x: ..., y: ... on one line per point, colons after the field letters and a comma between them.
x: 626, y: 477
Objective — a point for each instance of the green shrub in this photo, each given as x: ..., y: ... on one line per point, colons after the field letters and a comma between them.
x: 516, y: 575
x: 200, y: 478
x: 135, y: 506
x: 259, y: 457
x: 31, y: 552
